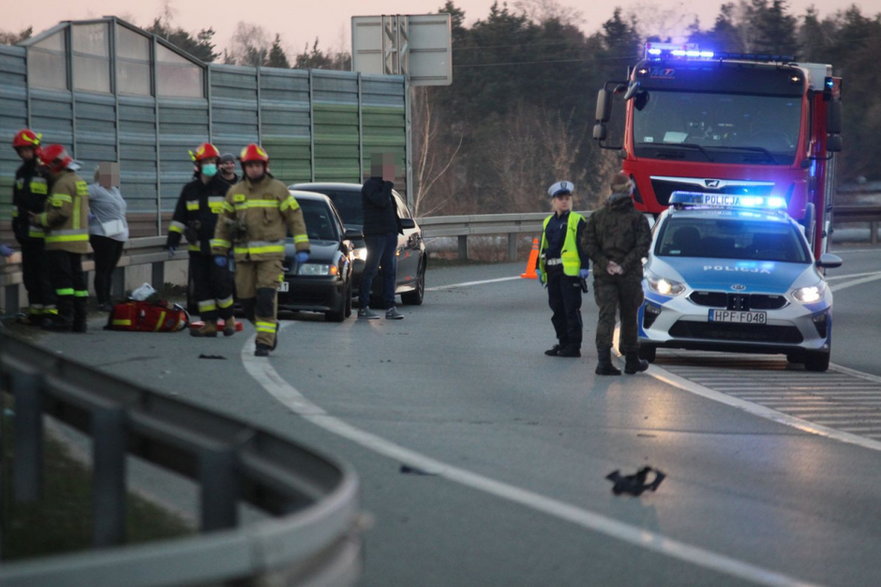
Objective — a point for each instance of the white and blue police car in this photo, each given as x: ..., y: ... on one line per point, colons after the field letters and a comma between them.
x: 735, y: 273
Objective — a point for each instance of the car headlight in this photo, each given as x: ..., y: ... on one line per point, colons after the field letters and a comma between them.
x: 321, y: 269
x: 361, y: 253
x: 664, y: 285
x: 810, y: 294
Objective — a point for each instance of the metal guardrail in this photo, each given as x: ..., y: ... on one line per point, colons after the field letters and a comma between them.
x: 150, y: 250
x: 844, y: 214
x: 310, y: 535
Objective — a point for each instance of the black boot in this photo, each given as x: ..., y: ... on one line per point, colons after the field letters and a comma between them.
x: 569, y: 350
x: 633, y: 364
x: 552, y: 352
x: 604, y: 363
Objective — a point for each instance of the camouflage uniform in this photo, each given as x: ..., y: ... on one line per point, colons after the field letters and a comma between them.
x: 617, y: 232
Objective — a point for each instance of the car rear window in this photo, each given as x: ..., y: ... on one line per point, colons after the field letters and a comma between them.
x: 319, y: 220
x: 348, y: 204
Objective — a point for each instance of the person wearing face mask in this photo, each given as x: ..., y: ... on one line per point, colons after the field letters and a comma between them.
x: 195, y: 217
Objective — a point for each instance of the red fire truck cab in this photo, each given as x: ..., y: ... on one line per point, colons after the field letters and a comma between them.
x: 722, y: 123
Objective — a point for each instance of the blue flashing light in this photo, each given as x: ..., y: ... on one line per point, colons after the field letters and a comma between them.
x: 681, y: 199
x: 658, y: 51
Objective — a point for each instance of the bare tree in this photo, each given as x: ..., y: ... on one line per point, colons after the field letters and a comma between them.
x: 250, y: 45
x: 434, y: 156
x: 10, y: 38
x: 540, y: 11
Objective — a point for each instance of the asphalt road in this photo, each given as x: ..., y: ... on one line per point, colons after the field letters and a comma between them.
x: 505, y: 451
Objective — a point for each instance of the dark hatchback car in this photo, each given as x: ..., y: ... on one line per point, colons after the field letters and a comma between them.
x: 324, y: 282
x: 412, y: 258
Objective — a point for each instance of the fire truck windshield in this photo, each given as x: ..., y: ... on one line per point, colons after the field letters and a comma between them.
x: 721, y: 128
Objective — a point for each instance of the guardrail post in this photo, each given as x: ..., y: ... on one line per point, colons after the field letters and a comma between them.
x: 11, y: 302
x: 512, y: 246
x: 109, y: 447
x: 27, y: 467
x: 219, y: 489
x: 463, y: 247
x: 158, y: 274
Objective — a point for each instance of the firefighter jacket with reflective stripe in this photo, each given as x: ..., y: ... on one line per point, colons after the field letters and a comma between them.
x: 195, y: 215
x: 573, y: 258
x: 66, y: 216
x: 257, y: 217
x: 29, y: 193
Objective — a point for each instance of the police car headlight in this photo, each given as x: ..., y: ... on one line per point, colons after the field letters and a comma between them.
x: 664, y: 286
x: 810, y: 294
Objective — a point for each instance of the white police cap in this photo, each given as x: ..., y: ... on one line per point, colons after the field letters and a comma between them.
x: 561, y: 188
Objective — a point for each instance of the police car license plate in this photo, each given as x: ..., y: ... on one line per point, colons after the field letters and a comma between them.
x: 284, y: 286
x: 738, y: 317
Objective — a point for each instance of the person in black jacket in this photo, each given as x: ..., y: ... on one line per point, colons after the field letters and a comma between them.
x: 195, y: 217
x: 29, y: 193
x: 381, y: 228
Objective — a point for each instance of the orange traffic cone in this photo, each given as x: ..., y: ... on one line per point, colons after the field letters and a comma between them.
x: 530, y: 264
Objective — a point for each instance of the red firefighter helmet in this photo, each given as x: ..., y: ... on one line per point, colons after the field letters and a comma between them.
x: 205, y: 151
x: 26, y: 138
x: 254, y: 152
x: 55, y: 157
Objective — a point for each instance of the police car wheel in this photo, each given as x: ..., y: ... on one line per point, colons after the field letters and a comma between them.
x: 648, y: 353
x: 816, y: 361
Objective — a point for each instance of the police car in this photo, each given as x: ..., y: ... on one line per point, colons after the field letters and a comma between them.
x: 735, y: 273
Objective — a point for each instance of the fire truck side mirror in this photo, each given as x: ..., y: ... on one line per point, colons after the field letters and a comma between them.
x: 599, y: 131
x: 604, y: 107
x: 834, y: 144
x: 833, y: 124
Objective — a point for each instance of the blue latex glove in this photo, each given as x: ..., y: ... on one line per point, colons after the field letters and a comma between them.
x: 584, y: 273
x: 221, y: 260
x: 5, y: 251
x: 171, y: 251
x: 301, y: 257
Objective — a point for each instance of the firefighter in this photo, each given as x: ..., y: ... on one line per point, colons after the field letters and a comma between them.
x: 195, y: 217
x: 66, y: 222
x: 563, y: 267
x: 29, y: 194
x: 258, y: 214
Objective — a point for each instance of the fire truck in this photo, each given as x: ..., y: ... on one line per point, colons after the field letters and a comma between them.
x: 730, y: 124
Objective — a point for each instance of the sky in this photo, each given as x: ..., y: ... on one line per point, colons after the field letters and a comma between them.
x: 299, y: 22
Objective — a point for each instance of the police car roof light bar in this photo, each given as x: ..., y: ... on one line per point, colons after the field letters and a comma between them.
x: 681, y: 199
x: 691, y: 51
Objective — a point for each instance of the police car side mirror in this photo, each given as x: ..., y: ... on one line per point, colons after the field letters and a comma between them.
x: 829, y: 261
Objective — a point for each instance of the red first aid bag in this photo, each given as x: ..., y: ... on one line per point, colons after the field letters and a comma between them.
x: 148, y: 317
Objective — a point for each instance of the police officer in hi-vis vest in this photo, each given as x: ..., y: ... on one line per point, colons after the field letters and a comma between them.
x: 29, y: 193
x: 562, y: 268
x: 66, y: 221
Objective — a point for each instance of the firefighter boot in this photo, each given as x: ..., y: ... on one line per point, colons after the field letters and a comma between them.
x: 229, y: 326
x: 208, y: 330
x: 62, y: 321
x: 633, y: 364
x: 604, y: 363
x: 79, y: 315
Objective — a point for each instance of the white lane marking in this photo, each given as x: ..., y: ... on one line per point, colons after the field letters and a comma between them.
x: 263, y: 372
x: 859, y: 281
x: 851, y: 275
x: 470, y: 283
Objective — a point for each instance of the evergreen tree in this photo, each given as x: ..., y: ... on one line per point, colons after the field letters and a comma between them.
x: 201, y: 46
x: 277, y: 57
x: 315, y: 58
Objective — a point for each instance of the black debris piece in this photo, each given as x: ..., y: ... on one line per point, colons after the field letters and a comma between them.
x: 221, y: 357
x: 635, y: 484
x: 408, y: 470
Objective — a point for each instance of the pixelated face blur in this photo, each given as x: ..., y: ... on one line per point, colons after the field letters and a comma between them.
x: 254, y: 169
x: 563, y: 203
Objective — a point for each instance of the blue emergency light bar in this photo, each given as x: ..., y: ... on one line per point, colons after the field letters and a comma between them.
x: 691, y: 51
x: 682, y: 199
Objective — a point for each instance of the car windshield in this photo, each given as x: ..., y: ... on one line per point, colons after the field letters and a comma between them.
x: 722, y: 128
x: 731, y: 238
x: 319, y: 220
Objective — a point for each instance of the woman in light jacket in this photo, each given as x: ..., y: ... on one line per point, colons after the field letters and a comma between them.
x: 108, y: 229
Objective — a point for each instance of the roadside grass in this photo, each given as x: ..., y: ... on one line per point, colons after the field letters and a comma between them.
x: 61, y: 520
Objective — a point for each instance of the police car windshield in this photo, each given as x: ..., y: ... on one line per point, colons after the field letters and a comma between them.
x: 731, y: 238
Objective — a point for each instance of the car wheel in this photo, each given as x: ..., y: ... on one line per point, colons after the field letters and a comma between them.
x: 415, y: 297
x: 348, y: 298
x: 648, y: 352
x: 817, y: 361
x: 339, y: 314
